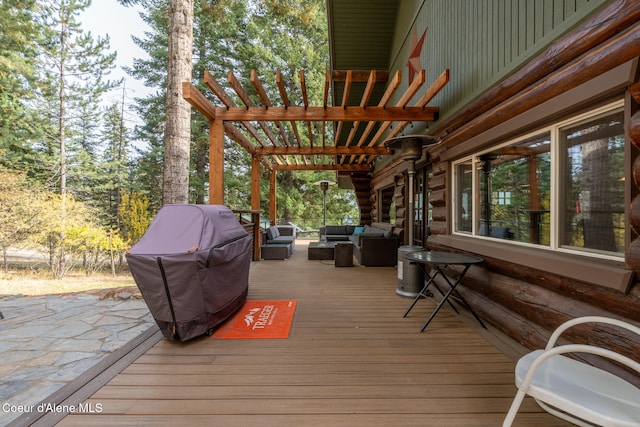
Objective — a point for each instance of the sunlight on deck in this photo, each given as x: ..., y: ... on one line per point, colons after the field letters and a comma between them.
x: 351, y: 360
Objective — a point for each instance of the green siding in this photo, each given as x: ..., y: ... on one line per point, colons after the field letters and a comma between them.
x: 480, y: 41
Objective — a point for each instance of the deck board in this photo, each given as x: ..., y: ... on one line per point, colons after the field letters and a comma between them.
x: 351, y: 360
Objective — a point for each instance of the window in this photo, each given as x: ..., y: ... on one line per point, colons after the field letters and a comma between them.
x: 515, y: 191
x: 423, y: 213
x: 561, y: 187
x: 592, y: 188
x: 464, y: 195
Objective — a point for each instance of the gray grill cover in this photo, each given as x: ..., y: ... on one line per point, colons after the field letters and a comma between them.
x: 192, y: 268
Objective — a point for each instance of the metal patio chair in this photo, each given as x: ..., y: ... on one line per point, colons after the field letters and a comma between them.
x: 575, y: 391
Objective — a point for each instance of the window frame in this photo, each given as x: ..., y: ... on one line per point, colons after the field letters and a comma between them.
x: 556, y: 195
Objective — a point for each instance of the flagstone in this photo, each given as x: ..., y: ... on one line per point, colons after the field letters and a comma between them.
x: 10, y: 388
x: 75, y: 345
x: 27, y: 332
x: 73, y: 370
x: 48, y: 341
x: 17, y: 356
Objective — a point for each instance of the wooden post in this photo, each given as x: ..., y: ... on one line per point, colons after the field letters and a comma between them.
x: 255, y: 205
x: 216, y: 162
x: 257, y: 235
x: 255, y: 183
x: 272, y: 196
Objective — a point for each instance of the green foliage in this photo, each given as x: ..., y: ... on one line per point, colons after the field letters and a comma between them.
x: 73, y: 69
x: 56, y: 136
x: 261, y: 35
x: 22, y: 210
x: 19, y: 39
x: 95, y: 246
x: 134, y: 217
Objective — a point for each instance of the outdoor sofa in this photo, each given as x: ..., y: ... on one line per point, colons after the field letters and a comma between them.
x: 374, y: 245
x: 278, y: 242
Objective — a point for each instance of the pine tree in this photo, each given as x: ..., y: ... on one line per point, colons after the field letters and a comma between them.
x: 149, y: 159
x: 114, y: 165
x: 19, y: 39
x: 74, y: 66
x: 236, y: 35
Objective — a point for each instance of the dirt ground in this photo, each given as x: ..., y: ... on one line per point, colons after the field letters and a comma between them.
x: 16, y: 285
x: 30, y: 277
x: 28, y: 274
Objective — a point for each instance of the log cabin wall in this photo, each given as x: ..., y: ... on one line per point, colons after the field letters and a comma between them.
x: 361, y: 183
x: 526, y: 292
x: 633, y: 118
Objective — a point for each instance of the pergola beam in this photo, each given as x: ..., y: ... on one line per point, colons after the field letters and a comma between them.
x: 429, y: 94
x: 218, y: 90
x: 285, y: 99
x: 257, y: 84
x: 321, y: 151
x: 410, y: 92
x: 235, y: 116
x: 345, y: 100
x: 393, y: 86
x: 329, y: 114
x: 433, y: 90
x: 305, y: 102
x: 193, y: 96
x: 332, y: 167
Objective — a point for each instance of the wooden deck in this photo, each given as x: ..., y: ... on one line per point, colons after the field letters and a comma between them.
x: 351, y: 360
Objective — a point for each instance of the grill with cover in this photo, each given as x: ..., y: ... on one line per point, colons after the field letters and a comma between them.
x: 192, y: 268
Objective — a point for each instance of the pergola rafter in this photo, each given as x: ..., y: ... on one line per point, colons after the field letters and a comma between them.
x: 259, y: 126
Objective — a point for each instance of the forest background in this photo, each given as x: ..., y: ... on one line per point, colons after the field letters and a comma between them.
x: 78, y: 183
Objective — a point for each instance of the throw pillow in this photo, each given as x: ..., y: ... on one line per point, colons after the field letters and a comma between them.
x: 358, y: 230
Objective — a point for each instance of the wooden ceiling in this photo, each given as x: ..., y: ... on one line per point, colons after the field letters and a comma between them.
x: 346, y: 136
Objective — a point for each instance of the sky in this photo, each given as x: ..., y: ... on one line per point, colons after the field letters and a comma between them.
x: 108, y: 17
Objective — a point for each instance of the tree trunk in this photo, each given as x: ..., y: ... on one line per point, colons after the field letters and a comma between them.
x: 178, y: 111
x: 63, y: 150
x: 598, y: 225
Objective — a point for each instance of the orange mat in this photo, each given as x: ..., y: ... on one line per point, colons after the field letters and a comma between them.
x: 259, y: 319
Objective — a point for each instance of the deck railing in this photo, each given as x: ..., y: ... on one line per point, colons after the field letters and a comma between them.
x: 250, y: 220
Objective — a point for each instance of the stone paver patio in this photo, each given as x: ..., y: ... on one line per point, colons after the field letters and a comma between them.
x: 48, y: 341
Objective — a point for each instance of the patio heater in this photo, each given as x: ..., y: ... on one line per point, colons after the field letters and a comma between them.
x: 410, y: 277
x: 324, y: 185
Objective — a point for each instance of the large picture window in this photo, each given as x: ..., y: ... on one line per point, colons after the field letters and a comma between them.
x: 561, y: 187
x: 515, y: 191
x: 592, y: 189
x: 464, y: 195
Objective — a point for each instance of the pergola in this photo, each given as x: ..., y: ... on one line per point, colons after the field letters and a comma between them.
x: 365, y: 117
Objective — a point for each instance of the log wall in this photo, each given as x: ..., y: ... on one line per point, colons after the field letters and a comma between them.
x: 633, y: 250
x: 527, y: 303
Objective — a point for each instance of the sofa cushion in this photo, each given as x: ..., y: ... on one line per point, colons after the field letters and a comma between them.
x: 273, y: 233
x: 372, y: 233
x: 336, y: 229
x: 282, y: 239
